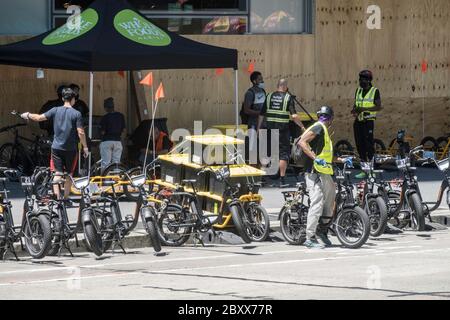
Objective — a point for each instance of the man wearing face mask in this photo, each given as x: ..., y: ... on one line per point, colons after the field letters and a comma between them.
x: 367, y: 104
x: 254, y: 100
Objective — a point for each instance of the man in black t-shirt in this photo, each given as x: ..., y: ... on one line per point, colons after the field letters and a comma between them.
x: 112, y: 125
x: 80, y: 105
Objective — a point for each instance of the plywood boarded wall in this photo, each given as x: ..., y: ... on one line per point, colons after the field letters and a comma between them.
x: 322, y: 69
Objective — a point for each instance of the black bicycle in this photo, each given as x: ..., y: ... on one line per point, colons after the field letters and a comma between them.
x: 405, y: 206
x: 176, y: 226
x: 349, y: 222
x: 24, y: 154
x: 372, y: 202
x: 35, y: 228
x: 444, y: 189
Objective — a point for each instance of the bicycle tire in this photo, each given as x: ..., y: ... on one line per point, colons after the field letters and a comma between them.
x: 93, y: 237
x: 345, y: 145
x: 429, y: 141
x: 380, y: 143
x: 181, y: 216
x: 365, y: 227
x: 377, y: 227
x: 114, y: 169
x: 2, y: 237
x: 441, y: 143
x: 43, y: 222
x: 260, y: 222
x: 56, y: 237
x: 151, y: 227
x: 241, y: 228
x: 288, y: 232
x: 415, y: 204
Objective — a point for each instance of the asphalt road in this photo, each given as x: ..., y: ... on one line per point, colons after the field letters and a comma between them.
x: 404, y: 266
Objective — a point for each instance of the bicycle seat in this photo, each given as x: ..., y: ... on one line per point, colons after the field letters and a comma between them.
x: 81, y: 183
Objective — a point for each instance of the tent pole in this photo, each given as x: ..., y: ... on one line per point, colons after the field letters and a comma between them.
x: 91, y: 109
x: 236, y: 87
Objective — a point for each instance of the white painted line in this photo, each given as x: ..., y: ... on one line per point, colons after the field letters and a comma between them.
x: 218, y: 267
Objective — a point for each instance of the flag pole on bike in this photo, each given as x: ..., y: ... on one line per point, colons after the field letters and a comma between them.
x: 159, y: 94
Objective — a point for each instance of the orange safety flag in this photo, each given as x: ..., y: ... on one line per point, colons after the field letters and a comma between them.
x: 148, y: 80
x: 219, y: 71
x: 121, y: 73
x: 424, y: 66
x: 251, y: 67
x: 160, y: 92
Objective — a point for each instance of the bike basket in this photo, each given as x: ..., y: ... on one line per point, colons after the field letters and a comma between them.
x: 443, y: 165
x: 402, y: 163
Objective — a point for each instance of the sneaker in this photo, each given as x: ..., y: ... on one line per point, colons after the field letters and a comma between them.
x: 283, y: 183
x: 360, y: 175
x: 313, y: 244
x: 324, y: 238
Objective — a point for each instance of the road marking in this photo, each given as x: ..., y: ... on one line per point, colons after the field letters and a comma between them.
x: 124, y: 274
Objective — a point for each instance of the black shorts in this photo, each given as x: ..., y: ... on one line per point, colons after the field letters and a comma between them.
x: 284, y: 143
x: 63, y: 161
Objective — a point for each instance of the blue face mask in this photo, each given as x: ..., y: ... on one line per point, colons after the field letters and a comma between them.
x: 261, y: 85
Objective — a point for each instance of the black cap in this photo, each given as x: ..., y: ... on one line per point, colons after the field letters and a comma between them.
x: 366, y: 74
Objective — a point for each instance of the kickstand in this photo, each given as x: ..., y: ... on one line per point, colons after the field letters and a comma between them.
x: 197, y: 237
x: 12, y: 250
x: 76, y: 241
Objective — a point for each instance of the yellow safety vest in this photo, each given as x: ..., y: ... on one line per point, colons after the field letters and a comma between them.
x: 367, y: 101
x: 327, y: 152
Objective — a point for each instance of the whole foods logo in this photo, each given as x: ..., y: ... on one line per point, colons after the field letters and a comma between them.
x: 69, y: 31
x: 132, y: 26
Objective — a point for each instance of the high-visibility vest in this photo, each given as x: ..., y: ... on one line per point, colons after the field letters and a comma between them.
x: 277, y: 110
x: 327, y: 151
x: 367, y: 101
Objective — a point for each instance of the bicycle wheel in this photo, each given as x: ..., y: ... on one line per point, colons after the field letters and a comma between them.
x: 56, y: 236
x: 441, y: 143
x: 352, y: 227
x: 377, y: 211
x: 93, y: 236
x: 169, y: 230
x: 293, y: 231
x: 38, y: 236
x: 417, y: 215
x: 259, y: 222
x: 131, y: 192
x: 151, y: 226
x: 343, y: 147
x: 429, y: 143
x: 40, y: 183
x: 2, y: 237
x: 242, y: 228
x: 379, y: 146
x: 114, y: 169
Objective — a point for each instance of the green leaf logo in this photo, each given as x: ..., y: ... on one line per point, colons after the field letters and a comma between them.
x: 132, y: 26
x: 75, y: 27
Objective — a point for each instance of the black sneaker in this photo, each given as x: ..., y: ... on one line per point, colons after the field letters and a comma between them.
x: 283, y: 183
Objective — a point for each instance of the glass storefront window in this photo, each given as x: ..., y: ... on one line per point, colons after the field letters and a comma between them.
x: 281, y: 16
x: 190, y: 5
x: 203, y: 25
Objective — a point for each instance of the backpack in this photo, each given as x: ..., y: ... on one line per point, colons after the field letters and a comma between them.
x: 297, y: 154
x: 244, y: 116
